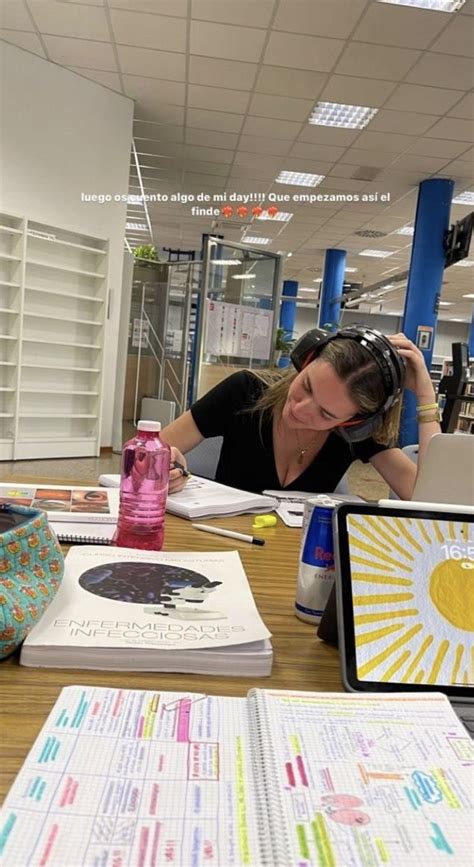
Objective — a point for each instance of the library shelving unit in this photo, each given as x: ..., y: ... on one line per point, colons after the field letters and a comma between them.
x: 53, y: 298
x: 466, y: 410
x: 437, y: 369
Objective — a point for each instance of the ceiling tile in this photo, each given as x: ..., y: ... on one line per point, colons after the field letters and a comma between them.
x: 158, y: 7
x: 438, y: 148
x: 206, y: 168
x: 452, y: 128
x: 302, y: 52
x: 13, y: 15
x: 376, y: 61
x: 263, y: 126
x: 68, y: 19
x: 365, y: 157
x: 356, y: 91
x: 229, y: 42
x: 403, y: 122
x: 290, y: 82
x: 157, y: 131
x: 273, y: 164
x: 245, y: 12
x: 80, y: 52
x: 150, y: 109
x: 407, y: 27
x: 460, y: 169
x: 416, y: 97
x: 457, y: 38
x: 328, y: 135
x: 225, y: 73
x: 28, y: 41
x: 216, y: 139
x: 329, y: 153
x: 439, y: 70
x: 149, y: 31
x: 109, y: 79
x: 384, y: 141
x: 156, y: 64
x: 258, y: 144
x: 412, y: 162
x: 217, y: 98
x: 318, y: 18
x: 218, y: 120
x: 154, y: 89
x: 464, y: 108
x: 281, y: 107
x: 203, y: 181
x: 209, y: 154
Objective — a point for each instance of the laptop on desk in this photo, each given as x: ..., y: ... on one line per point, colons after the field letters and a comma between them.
x: 447, y: 472
x: 405, y: 601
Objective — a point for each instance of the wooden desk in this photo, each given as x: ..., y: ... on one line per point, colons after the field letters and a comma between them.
x: 301, y: 661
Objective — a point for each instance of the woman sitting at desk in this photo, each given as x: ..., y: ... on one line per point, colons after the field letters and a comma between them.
x: 304, y: 430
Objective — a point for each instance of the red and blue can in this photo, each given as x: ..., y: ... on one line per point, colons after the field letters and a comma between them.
x: 316, y: 567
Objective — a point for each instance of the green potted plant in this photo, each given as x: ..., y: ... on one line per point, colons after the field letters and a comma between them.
x: 283, y: 346
x: 146, y: 251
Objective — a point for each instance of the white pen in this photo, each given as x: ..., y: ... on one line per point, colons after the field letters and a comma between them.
x: 242, y: 537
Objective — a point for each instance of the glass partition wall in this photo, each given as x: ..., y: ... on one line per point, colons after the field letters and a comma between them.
x: 191, y: 324
x: 236, y: 323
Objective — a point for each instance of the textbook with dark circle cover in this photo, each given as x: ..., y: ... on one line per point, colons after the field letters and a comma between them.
x: 125, y: 609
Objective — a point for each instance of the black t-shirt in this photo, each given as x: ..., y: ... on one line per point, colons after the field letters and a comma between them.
x: 247, y: 460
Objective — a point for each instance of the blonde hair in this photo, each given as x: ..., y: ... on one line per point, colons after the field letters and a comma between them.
x: 363, y: 378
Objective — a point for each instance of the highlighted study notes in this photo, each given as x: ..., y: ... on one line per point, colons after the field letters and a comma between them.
x: 283, y: 778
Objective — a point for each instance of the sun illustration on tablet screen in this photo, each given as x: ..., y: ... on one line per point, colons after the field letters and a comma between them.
x: 413, y: 597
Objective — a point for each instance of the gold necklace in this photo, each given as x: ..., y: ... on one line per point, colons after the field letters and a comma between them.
x: 302, y: 451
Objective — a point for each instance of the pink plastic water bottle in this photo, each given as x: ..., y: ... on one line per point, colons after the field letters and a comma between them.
x: 143, y: 489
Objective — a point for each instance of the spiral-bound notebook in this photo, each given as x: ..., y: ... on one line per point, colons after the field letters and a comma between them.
x: 281, y: 779
x: 83, y: 534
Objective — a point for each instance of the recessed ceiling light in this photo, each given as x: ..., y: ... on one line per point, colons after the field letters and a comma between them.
x: 456, y: 319
x: 340, y: 115
x: 139, y: 227
x: 318, y: 280
x: 226, y: 261
x: 243, y: 276
x: 289, y: 254
x: 405, y: 230
x: 435, y: 5
x: 470, y: 295
x: 465, y: 263
x: 466, y: 198
x: 377, y: 254
x: 283, y: 216
x: 251, y: 239
x: 307, y: 289
x: 446, y: 303
x: 350, y: 270
x: 299, y: 179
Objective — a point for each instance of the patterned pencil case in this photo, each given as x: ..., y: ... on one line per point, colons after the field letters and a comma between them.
x: 31, y: 569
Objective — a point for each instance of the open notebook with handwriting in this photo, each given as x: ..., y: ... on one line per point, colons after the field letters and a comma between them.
x: 277, y: 778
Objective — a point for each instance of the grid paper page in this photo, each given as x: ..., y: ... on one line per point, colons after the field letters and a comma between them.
x: 132, y: 777
x: 366, y: 781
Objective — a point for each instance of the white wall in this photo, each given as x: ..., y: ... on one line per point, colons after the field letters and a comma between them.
x: 63, y: 135
x: 446, y: 332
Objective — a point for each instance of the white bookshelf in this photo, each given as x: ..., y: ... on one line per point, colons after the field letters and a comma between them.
x: 53, y: 293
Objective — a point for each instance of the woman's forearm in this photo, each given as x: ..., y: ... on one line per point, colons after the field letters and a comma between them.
x: 426, y: 426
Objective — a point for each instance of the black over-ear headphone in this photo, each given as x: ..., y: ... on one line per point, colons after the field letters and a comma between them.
x: 389, y: 362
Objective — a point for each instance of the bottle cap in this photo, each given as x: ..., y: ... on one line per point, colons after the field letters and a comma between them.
x: 149, y: 425
x: 264, y: 521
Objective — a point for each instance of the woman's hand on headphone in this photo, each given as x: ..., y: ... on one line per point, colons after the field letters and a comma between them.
x: 417, y: 377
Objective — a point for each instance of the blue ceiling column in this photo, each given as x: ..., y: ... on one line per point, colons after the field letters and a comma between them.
x: 424, y: 282
x: 331, y: 289
x: 288, y: 314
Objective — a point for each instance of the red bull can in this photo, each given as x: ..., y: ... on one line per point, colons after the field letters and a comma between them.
x: 316, y: 567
